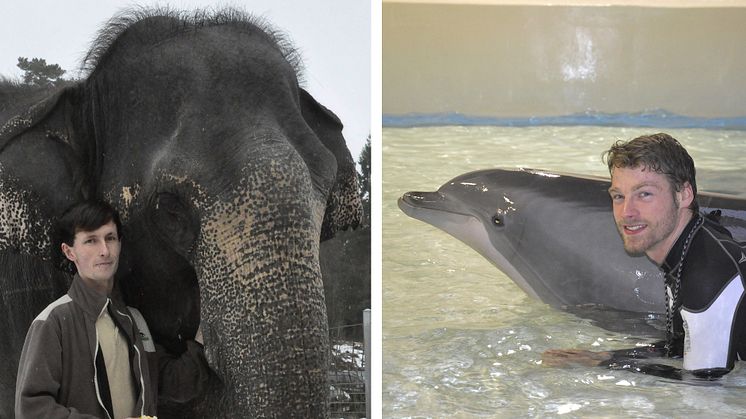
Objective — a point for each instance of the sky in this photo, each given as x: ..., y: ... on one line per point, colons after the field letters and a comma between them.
x: 332, y: 35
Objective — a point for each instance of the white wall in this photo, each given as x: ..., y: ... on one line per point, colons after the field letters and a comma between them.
x: 507, y: 60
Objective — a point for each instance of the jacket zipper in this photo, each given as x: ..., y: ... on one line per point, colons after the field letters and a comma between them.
x: 95, y: 370
x: 139, y: 365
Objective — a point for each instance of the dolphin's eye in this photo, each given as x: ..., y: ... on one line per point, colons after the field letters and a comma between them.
x: 496, y: 220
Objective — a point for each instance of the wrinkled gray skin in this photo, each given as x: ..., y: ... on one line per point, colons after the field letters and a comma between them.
x: 226, y: 174
x: 554, y: 235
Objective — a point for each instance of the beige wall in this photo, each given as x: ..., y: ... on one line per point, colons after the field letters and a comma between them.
x: 533, y: 60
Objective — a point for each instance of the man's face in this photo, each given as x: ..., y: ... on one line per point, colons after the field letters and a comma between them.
x: 647, y: 211
x: 95, y: 253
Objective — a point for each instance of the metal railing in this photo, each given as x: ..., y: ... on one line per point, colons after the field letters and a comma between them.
x: 349, y: 373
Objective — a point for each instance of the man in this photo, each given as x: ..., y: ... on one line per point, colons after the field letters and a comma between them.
x: 87, y: 355
x: 654, y: 198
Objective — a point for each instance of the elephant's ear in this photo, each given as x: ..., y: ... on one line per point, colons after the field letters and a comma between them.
x: 343, y: 207
x: 31, y: 117
x: 58, y: 118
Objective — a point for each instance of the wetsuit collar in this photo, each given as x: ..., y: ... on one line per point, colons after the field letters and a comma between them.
x: 673, y: 258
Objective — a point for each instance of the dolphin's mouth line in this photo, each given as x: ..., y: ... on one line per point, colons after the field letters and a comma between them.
x: 420, y: 200
x: 435, y: 209
x: 476, y: 238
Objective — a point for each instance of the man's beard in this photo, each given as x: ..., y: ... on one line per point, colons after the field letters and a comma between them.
x: 655, y: 232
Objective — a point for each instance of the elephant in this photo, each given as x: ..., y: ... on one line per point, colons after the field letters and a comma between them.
x: 226, y: 174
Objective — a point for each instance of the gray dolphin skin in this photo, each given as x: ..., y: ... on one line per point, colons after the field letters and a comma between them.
x: 554, y: 234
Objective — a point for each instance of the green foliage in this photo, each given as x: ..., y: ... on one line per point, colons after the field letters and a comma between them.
x: 38, y: 73
x: 363, y: 178
x: 345, y: 263
x: 345, y: 269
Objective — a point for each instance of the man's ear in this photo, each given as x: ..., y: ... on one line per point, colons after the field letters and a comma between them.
x: 68, y: 252
x: 685, y: 195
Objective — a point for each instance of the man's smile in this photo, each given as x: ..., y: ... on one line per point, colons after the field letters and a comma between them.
x: 632, y: 229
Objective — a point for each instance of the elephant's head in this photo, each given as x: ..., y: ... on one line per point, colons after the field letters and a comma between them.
x: 225, y: 173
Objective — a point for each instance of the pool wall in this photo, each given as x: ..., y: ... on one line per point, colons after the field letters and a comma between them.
x: 533, y: 60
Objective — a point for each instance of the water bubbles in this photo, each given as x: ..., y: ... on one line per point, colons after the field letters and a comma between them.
x: 568, y: 408
x: 496, y: 374
x: 625, y: 383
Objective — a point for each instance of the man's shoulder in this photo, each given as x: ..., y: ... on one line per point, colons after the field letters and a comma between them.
x: 721, y: 248
x: 61, y: 303
x: 711, y: 264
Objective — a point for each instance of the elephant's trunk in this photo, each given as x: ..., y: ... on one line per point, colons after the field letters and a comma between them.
x: 263, y: 311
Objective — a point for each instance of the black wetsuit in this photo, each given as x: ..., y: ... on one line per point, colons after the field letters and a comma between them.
x: 709, y: 330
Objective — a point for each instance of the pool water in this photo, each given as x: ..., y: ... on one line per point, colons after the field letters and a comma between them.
x: 461, y: 340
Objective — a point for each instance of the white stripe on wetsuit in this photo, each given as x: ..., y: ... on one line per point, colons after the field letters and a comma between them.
x: 708, y: 332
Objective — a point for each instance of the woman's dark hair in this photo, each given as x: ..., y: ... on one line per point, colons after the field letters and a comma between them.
x: 82, y: 216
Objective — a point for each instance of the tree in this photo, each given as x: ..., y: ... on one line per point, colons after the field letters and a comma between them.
x: 345, y: 264
x: 363, y: 178
x: 38, y: 73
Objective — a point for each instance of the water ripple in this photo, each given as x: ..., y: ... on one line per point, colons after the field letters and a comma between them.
x: 461, y: 340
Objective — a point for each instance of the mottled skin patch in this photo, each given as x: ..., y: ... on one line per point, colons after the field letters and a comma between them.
x: 15, y: 125
x: 128, y: 195
x: 27, y: 278
x: 266, y: 217
x: 23, y: 228
x: 123, y: 200
x: 343, y: 207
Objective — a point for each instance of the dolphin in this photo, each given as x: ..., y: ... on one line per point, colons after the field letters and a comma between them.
x: 554, y: 235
